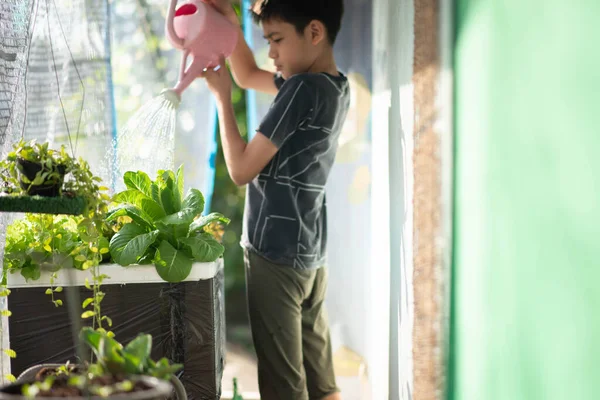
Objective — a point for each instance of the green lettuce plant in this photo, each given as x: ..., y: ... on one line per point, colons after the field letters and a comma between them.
x: 166, y: 228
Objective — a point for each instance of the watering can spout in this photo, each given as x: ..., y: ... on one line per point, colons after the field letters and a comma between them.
x: 175, y: 40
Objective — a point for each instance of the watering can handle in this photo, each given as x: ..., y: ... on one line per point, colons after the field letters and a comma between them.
x: 176, y: 40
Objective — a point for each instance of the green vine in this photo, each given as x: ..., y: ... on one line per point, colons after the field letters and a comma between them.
x: 94, y: 303
x: 4, y: 292
x: 51, y: 290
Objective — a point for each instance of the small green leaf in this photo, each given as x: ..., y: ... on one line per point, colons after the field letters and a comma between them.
x: 125, y: 386
x: 10, y: 377
x: 185, y: 216
x: 201, y: 222
x: 172, y: 232
x: 194, y: 200
x: 108, y: 320
x: 163, y: 370
x: 87, y: 284
x: 140, y: 348
x: 58, y: 303
x: 87, y: 302
x: 6, y: 313
x: 118, y: 242
x: 171, y: 264
x: 139, y: 181
x: 10, y: 353
x: 39, y: 179
x: 173, y: 187
x: 31, y: 272
x: 179, y: 180
x: 155, y: 193
x: 204, y: 248
x: 103, y: 391
x: 91, y: 337
x: 58, y: 289
x: 77, y: 381
x: 136, y: 248
x: 168, y: 203
x: 87, y: 314
x: 30, y: 391
x: 141, y: 201
x: 48, y: 291
x: 87, y: 265
x: 133, y: 212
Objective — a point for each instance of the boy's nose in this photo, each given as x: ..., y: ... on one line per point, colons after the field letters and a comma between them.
x: 272, y: 53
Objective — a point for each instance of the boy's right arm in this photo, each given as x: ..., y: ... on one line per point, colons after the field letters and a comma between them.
x: 245, y: 71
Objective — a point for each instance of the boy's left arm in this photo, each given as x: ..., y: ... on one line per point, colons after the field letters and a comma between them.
x: 244, y: 160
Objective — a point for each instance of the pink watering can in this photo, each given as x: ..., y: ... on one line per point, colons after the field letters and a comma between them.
x: 202, y: 32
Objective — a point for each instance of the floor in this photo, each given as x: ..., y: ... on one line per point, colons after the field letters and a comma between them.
x: 241, y: 364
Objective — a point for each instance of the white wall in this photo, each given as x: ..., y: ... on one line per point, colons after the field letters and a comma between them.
x: 392, y: 200
x: 348, y: 189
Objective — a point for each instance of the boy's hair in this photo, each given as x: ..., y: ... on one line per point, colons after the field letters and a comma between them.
x: 300, y: 12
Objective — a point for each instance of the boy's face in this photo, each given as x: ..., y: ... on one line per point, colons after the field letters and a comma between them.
x: 292, y: 52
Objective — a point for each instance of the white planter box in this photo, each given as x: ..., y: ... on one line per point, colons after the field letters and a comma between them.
x: 117, y: 273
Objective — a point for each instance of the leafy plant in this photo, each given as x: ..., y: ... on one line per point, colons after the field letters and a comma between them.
x: 114, y: 370
x: 50, y: 242
x: 31, y: 164
x: 52, y: 290
x: 4, y: 292
x: 69, y: 384
x: 112, y: 358
x: 95, y: 303
x: 165, y: 226
x: 56, y: 167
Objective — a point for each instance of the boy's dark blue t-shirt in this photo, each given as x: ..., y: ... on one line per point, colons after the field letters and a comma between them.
x: 285, y: 218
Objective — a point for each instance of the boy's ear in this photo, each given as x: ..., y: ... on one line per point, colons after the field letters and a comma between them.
x: 317, y: 31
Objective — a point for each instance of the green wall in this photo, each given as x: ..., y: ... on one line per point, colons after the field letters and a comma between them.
x: 526, y: 271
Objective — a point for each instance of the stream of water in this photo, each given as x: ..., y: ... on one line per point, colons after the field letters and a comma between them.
x: 147, y: 141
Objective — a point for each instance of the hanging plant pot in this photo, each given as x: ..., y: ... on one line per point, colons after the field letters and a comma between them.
x: 50, y: 190
x: 30, y: 169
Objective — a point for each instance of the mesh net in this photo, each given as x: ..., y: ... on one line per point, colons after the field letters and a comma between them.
x: 54, y: 86
x: 68, y: 97
x: 15, y: 18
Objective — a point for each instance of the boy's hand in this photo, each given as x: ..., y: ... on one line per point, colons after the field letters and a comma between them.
x: 219, y: 81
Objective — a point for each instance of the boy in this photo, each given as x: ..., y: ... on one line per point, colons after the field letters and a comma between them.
x: 286, y: 166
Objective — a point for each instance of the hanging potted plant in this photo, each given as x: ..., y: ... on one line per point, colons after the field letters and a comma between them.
x: 66, y: 184
x: 38, y: 169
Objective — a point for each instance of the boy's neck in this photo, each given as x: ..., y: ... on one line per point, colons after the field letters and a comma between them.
x: 325, y: 63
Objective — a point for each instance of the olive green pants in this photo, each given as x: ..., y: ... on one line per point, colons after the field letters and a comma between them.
x: 290, y: 330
